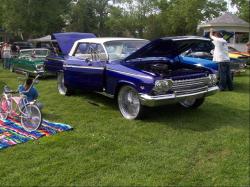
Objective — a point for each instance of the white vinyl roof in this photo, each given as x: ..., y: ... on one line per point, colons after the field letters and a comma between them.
x: 100, y: 41
x: 33, y: 49
x: 106, y: 39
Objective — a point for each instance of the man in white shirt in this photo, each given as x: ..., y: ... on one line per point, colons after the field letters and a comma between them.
x: 221, y: 57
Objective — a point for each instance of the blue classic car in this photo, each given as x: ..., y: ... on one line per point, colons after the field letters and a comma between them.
x: 201, y: 55
x: 136, y: 72
x: 60, y: 46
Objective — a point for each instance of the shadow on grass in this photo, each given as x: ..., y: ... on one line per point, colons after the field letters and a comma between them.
x: 97, y: 100
x: 204, y: 118
x: 208, y: 117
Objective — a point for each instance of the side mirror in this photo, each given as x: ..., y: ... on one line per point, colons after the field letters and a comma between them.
x: 88, y: 61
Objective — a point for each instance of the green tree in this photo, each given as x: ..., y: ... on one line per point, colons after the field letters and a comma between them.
x: 115, y: 22
x: 89, y: 16
x: 34, y: 17
x: 181, y: 17
x: 243, y: 7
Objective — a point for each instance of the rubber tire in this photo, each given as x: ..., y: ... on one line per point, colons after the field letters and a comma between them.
x: 12, y: 68
x: 62, y: 89
x: 41, y: 118
x: 198, y: 102
x: 141, y: 107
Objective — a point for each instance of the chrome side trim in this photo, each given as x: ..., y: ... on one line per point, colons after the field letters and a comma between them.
x: 83, y: 67
x: 48, y: 58
x: 106, y: 94
x: 24, y: 70
x: 131, y: 74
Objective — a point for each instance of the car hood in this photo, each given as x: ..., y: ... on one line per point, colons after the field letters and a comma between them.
x: 66, y: 40
x: 199, y: 62
x: 167, y: 47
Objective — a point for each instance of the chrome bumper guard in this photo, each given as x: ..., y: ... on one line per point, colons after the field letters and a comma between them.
x: 148, y: 100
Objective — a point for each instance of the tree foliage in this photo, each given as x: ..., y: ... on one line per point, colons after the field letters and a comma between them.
x: 135, y: 18
x: 243, y: 7
x: 33, y: 17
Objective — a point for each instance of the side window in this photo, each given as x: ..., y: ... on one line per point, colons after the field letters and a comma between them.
x: 90, y: 51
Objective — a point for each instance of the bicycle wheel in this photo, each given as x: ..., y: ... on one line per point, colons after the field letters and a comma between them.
x: 31, y: 118
x: 4, y: 108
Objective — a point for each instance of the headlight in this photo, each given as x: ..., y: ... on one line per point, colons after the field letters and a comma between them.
x: 162, y: 86
x: 213, y: 79
x: 39, y: 67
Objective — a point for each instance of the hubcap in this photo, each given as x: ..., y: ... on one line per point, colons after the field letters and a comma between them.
x: 188, y: 102
x: 61, y: 87
x: 129, y: 103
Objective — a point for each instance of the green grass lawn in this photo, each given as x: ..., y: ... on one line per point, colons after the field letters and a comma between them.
x: 171, y: 146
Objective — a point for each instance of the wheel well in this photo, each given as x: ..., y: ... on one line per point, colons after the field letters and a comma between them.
x: 118, y: 87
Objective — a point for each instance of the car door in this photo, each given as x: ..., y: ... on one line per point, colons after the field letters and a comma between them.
x: 85, y: 69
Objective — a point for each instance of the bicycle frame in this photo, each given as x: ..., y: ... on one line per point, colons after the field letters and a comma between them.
x: 20, y: 101
x: 16, y: 108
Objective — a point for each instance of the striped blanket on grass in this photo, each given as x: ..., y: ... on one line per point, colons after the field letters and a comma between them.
x: 12, y: 132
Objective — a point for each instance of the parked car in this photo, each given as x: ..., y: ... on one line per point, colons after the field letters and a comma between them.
x: 30, y: 61
x: 234, y: 53
x: 23, y: 45
x: 61, y: 45
x: 201, y: 55
x: 136, y: 72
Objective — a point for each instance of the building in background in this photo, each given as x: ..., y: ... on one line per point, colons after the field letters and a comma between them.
x: 231, y: 23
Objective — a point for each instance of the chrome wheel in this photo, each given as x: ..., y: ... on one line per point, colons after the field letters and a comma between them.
x: 4, y: 108
x: 60, y: 84
x: 192, y: 102
x: 31, y: 118
x: 129, y: 102
x: 11, y: 68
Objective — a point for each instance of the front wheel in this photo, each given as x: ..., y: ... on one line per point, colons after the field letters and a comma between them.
x: 5, y: 108
x: 129, y: 103
x: 62, y: 89
x: 31, y: 118
x: 12, y: 68
x: 191, y: 102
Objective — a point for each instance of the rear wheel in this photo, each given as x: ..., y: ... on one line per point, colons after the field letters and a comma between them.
x: 4, y: 108
x: 129, y: 103
x: 31, y: 118
x: 62, y: 89
x: 191, y: 102
x: 12, y: 68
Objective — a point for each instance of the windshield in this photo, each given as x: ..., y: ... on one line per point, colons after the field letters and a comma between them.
x: 120, y: 49
x: 40, y: 53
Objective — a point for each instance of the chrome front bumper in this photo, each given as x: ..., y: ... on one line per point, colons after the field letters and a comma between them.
x: 148, y: 100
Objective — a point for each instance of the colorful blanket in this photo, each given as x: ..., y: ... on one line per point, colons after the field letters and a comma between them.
x: 12, y: 133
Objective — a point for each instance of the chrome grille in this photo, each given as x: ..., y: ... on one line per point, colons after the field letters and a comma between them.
x: 190, y: 86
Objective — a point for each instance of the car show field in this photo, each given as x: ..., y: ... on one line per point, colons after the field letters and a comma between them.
x: 171, y: 146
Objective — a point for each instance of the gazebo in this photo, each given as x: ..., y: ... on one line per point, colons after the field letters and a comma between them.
x: 232, y: 23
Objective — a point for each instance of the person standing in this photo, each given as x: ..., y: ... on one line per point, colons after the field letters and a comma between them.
x: 6, y: 54
x: 221, y: 57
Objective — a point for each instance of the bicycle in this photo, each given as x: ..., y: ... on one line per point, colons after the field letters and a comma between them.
x: 14, y: 104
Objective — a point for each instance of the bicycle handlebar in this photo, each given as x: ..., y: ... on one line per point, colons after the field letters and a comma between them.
x: 11, y: 92
x: 7, y: 91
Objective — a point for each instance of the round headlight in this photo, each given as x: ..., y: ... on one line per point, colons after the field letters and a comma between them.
x: 213, y: 78
x: 162, y: 86
x: 39, y: 67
